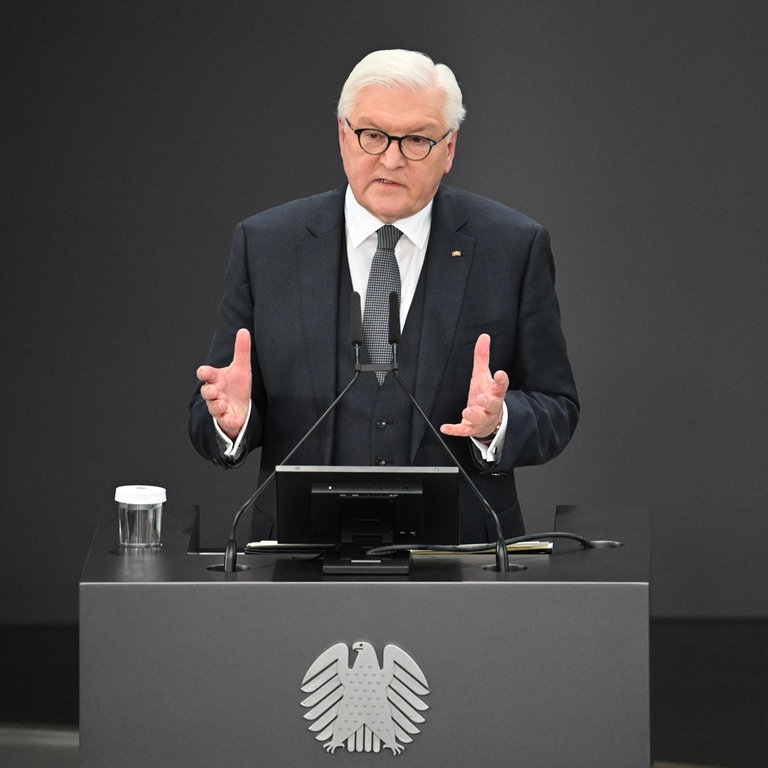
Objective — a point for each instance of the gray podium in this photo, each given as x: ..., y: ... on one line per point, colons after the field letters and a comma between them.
x: 543, y: 667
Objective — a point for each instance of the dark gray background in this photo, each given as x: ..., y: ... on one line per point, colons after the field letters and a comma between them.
x: 136, y: 135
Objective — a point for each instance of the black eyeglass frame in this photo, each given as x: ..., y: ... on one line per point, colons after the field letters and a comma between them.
x: 399, y: 139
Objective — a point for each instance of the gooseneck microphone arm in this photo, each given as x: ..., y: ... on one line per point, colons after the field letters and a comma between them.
x: 502, y: 556
x: 356, y: 339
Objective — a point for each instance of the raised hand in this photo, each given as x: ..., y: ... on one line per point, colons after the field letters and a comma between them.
x: 227, y: 391
x: 485, y: 399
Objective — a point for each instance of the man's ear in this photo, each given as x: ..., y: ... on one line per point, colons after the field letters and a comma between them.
x: 451, y: 150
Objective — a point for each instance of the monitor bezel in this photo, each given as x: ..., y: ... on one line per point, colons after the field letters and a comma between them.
x: 439, y: 489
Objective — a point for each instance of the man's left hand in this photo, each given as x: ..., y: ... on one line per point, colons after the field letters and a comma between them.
x: 486, y: 396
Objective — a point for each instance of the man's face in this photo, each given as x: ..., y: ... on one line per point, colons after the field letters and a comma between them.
x: 390, y: 186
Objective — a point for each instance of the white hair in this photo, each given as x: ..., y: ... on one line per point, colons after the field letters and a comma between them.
x: 403, y: 69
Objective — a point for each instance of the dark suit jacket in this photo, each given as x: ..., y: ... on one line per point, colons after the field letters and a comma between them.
x: 283, y: 283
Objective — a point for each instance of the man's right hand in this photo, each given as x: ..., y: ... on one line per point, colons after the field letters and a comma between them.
x: 227, y: 391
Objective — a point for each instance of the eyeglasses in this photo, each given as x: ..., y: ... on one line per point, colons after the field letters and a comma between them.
x: 376, y: 142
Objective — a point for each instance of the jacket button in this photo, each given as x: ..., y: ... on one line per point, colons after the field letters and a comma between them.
x: 380, y: 461
x: 381, y: 423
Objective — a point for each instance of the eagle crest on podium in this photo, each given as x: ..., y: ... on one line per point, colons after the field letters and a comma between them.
x: 365, y: 707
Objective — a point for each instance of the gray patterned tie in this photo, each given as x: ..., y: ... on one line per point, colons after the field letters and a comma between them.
x: 384, y: 278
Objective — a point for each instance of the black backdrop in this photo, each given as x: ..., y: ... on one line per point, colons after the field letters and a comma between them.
x: 135, y: 136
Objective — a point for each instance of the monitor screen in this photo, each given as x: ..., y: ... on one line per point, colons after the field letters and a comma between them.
x: 352, y: 509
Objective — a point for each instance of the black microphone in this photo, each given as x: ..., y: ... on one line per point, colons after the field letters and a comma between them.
x: 394, y: 318
x: 502, y: 556
x: 356, y: 339
x: 355, y: 321
x: 394, y: 327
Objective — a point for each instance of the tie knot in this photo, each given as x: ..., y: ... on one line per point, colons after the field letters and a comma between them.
x: 388, y: 236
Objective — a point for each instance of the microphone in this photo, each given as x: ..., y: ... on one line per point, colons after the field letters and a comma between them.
x: 502, y: 556
x: 394, y: 319
x: 355, y: 321
x: 356, y: 340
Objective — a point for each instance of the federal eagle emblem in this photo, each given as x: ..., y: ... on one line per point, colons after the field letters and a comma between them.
x: 365, y: 707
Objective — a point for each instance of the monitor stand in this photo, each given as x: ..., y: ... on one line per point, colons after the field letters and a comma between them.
x: 353, y: 561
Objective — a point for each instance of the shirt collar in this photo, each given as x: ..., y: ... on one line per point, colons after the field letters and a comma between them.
x: 361, y: 224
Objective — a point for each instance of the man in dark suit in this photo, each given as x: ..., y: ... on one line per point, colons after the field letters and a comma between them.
x: 476, y: 283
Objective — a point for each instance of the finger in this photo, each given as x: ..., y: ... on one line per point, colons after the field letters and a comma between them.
x: 478, y: 419
x: 212, y: 402
x: 500, y: 383
x: 207, y: 374
x: 242, y: 355
x: 482, y: 359
x: 455, y: 430
x: 209, y: 392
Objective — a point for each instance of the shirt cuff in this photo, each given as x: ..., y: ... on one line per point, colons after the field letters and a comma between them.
x: 491, y: 453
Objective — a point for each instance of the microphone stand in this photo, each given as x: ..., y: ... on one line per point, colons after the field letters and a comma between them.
x: 230, y: 553
x: 502, y: 556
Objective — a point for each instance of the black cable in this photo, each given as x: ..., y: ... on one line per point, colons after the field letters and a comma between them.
x: 464, y: 548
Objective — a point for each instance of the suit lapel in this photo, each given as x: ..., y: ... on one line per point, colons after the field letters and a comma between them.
x: 448, y: 262
x: 318, y: 262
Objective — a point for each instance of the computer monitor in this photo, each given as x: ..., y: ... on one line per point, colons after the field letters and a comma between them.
x: 348, y: 510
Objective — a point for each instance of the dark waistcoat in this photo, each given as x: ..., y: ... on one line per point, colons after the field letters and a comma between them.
x: 373, y: 423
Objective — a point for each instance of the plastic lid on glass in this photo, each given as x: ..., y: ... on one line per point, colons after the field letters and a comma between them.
x: 140, y: 494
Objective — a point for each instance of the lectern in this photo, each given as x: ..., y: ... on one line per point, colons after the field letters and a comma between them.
x: 451, y: 665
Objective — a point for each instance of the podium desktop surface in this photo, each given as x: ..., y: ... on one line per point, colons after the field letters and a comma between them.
x: 546, y: 666
x: 178, y: 559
